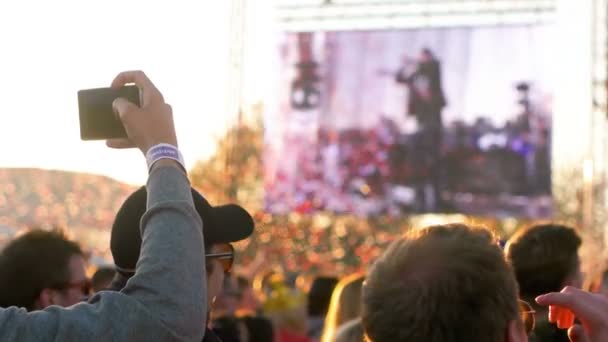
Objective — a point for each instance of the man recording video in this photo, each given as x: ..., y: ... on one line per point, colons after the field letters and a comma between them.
x: 158, y: 302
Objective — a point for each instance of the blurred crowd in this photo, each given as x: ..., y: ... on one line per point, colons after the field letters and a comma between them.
x: 316, y: 242
x: 301, y: 303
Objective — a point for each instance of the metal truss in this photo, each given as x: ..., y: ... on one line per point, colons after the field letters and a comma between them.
x: 236, y: 57
x: 313, y: 15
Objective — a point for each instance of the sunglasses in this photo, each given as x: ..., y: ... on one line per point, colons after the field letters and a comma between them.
x: 526, y: 312
x: 223, y: 253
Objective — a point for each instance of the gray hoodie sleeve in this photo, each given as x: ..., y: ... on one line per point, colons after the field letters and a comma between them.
x: 164, y: 301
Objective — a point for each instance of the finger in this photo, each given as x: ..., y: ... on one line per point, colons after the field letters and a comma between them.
x: 554, y: 298
x: 119, y: 143
x: 573, y: 299
x: 577, y: 334
x: 122, y: 106
x: 140, y: 79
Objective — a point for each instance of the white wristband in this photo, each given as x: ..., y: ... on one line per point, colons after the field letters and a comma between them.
x: 164, y: 151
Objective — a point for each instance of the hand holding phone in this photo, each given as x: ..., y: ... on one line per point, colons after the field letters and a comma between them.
x: 147, y: 125
x: 98, y: 120
x: 561, y: 316
x: 591, y: 309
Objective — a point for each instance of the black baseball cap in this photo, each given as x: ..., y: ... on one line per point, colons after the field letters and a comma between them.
x: 221, y: 224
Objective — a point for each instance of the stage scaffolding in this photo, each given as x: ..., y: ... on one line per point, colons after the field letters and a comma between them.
x: 308, y: 15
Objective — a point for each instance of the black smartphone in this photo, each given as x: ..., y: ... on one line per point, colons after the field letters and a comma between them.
x: 97, y: 118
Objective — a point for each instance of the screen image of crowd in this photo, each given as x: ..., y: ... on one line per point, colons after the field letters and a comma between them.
x: 382, y: 152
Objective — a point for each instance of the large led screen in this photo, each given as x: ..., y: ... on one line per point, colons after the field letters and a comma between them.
x: 412, y: 121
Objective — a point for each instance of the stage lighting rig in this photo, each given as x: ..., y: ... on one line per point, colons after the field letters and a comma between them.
x: 312, y: 15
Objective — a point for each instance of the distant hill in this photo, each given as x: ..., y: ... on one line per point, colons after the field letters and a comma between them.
x: 85, y: 204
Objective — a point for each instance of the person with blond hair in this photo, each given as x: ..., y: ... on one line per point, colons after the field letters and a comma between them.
x: 286, y: 308
x: 345, y: 305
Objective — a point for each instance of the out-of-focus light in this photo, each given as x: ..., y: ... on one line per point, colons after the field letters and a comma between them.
x: 365, y: 189
x: 434, y: 219
x: 588, y: 171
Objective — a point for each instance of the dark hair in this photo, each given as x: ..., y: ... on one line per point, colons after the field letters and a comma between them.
x: 259, y: 328
x: 34, y: 261
x: 349, y: 332
x: 242, y: 282
x: 441, y: 283
x: 227, y: 328
x: 320, y: 295
x: 102, y: 278
x: 543, y: 257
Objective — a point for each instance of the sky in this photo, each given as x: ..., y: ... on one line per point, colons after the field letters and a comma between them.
x: 51, y: 49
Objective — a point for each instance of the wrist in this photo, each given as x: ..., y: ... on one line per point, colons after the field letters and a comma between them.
x: 146, y: 147
x: 164, y: 152
x: 167, y: 163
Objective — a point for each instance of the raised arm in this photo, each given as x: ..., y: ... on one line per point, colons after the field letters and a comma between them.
x: 166, y: 299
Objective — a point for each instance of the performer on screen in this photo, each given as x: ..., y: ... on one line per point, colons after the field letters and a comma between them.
x: 422, y: 77
x: 426, y: 98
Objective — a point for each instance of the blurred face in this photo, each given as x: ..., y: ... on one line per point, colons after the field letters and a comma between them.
x: 248, y: 301
x: 425, y: 57
x: 218, y: 262
x: 226, y: 303
x: 77, y: 288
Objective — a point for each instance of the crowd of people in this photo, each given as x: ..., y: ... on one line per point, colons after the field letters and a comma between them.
x: 370, y: 171
x: 173, y: 276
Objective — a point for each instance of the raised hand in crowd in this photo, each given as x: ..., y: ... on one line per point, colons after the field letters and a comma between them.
x: 148, y: 125
x: 159, y: 303
x: 591, y: 309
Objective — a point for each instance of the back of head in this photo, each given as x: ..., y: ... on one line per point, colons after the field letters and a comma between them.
x: 544, y: 257
x: 440, y: 284
x: 259, y: 328
x: 351, y: 331
x: 345, y: 305
x: 320, y: 295
x: 34, y: 261
x: 102, y: 278
x: 227, y: 328
x: 286, y: 307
